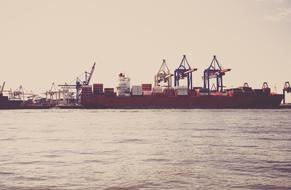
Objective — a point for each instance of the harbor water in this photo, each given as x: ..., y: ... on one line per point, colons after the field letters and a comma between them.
x: 145, y: 149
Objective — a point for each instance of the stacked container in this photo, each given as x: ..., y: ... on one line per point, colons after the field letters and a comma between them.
x: 247, y: 91
x: 136, y: 90
x: 109, y: 92
x: 97, y: 89
x: 87, y: 90
x: 192, y: 92
x: 181, y: 90
x: 169, y: 91
x: 123, y: 88
x: 146, y: 89
x: 158, y: 90
x: 259, y: 92
x: 235, y: 92
x: 199, y: 91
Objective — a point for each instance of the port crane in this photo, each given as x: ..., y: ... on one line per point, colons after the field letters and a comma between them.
x: 2, y: 88
x: 18, y: 93
x: 214, y: 71
x: 184, y: 71
x: 53, y: 92
x: 287, y: 89
x: 79, y: 83
x: 164, y: 75
x: 21, y: 94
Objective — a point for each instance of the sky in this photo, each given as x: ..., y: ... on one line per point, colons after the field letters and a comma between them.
x: 46, y: 41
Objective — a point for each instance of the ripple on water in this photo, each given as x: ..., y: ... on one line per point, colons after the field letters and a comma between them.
x: 139, y: 141
x: 145, y: 149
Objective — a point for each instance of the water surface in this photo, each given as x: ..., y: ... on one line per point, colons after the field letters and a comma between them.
x: 145, y: 149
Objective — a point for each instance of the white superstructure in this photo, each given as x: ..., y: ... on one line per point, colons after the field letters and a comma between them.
x: 123, y: 88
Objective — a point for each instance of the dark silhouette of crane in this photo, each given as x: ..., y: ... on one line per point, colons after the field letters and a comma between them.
x: 184, y: 71
x: 2, y: 88
x: 214, y: 71
x: 79, y: 83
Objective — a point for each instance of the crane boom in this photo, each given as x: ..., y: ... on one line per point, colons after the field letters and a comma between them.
x: 2, y: 88
x: 90, y: 74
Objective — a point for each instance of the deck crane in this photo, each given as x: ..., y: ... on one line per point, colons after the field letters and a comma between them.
x: 164, y: 75
x: 2, y: 88
x: 214, y: 71
x: 184, y: 71
x: 287, y: 89
x: 79, y: 83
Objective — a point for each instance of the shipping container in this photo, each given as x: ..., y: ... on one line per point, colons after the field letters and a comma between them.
x: 108, y: 89
x: 181, y: 91
x: 98, y: 89
x: 86, y: 91
x: 259, y: 92
x: 110, y: 93
x: 136, y: 90
x: 169, y: 91
x: 157, y: 90
x: 247, y: 89
x: 146, y: 93
x: 146, y: 87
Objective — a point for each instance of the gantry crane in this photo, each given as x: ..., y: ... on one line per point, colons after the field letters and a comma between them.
x: 184, y: 71
x: 18, y: 93
x: 53, y: 92
x: 287, y: 89
x: 21, y: 94
x: 214, y: 71
x: 79, y: 83
x: 164, y: 75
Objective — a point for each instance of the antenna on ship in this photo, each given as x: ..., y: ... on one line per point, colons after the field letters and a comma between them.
x: 184, y: 71
x: 164, y: 75
x: 214, y: 71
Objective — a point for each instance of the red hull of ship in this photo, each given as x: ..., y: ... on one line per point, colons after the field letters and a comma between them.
x: 181, y: 102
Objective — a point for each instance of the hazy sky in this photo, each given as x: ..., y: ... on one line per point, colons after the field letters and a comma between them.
x: 56, y: 40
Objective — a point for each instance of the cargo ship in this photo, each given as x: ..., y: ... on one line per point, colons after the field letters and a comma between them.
x: 16, y: 100
x: 165, y: 96
x: 170, y: 98
x: 5, y: 103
